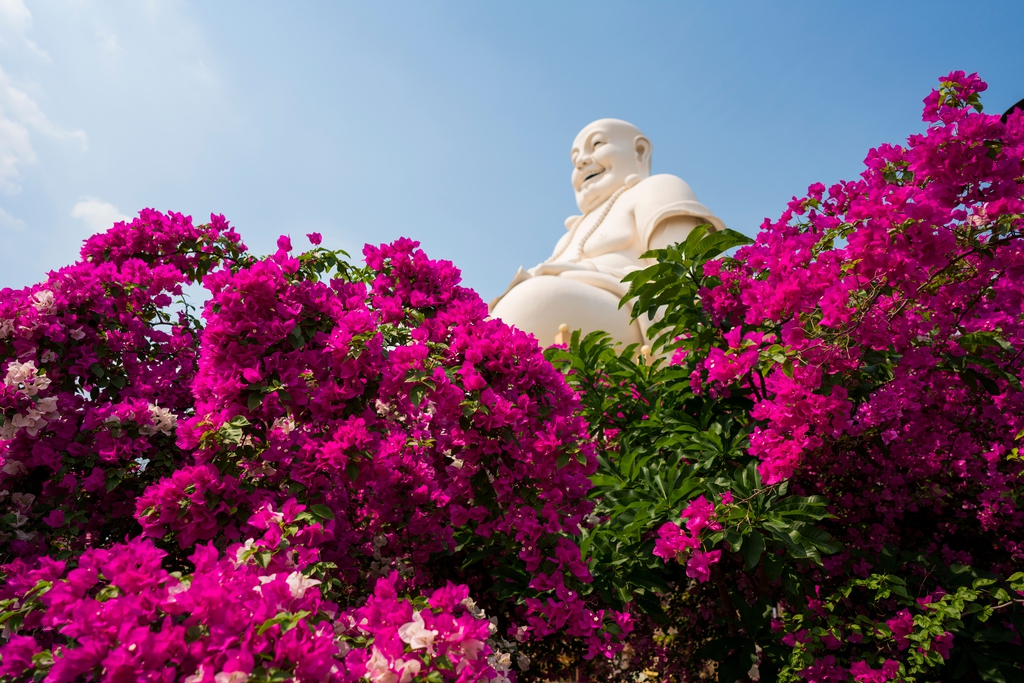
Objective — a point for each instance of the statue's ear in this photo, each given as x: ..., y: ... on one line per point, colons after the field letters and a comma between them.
x: 643, y: 151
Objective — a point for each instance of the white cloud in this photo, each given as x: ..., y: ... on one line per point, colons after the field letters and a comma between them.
x: 108, y: 40
x: 15, y: 19
x: 15, y: 149
x: 19, y: 115
x: 25, y: 110
x: 97, y: 214
x: 15, y: 22
x: 9, y: 221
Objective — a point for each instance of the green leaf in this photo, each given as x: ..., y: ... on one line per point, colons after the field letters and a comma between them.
x: 626, y: 463
x: 719, y: 242
x: 416, y: 394
x: 652, y: 607
x: 234, y: 431
x: 279, y: 618
x: 773, y: 566
x: 974, y: 341
x: 321, y: 511
x: 753, y: 547
x: 43, y: 660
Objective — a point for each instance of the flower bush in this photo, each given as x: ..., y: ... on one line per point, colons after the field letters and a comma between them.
x: 348, y: 473
x: 270, y: 476
x: 819, y: 479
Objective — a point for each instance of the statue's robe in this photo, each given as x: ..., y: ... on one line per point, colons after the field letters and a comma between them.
x: 588, y: 300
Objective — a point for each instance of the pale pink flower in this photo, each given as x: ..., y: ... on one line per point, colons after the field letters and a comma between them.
x: 417, y: 634
x: 43, y: 300
x: 409, y: 668
x: 378, y: 668
x: 263, y: 581
x: 26, y: 378
x: 164, y: 421
x: 231, y: 677
x: 299, y: 583
x: 471, y: 647
x: 14, y: 467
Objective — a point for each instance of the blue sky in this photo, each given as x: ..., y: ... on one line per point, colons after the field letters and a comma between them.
x: 449, y: 122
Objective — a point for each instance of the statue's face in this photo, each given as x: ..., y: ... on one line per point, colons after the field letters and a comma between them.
x: 604, y: 154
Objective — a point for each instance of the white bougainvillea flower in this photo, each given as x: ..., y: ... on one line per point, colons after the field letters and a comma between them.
x: 378, y: 668
x: 409, y: 668
x: 298, y: 583
x: 43, y: 300
x: 417, y: 634
x: 231, y: 677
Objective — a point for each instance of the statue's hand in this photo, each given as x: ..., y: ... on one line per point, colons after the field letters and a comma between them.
x: 558, y: 267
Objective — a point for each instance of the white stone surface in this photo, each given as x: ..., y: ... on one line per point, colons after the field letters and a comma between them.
x: 624, y: 211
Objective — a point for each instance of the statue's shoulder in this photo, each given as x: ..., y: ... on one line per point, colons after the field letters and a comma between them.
x: 663, y: 188
x: 662, y: 196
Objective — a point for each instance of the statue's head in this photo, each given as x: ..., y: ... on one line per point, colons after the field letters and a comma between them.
x: 604, y: 154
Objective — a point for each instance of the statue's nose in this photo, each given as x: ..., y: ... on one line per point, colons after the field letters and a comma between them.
x: 582, y: 161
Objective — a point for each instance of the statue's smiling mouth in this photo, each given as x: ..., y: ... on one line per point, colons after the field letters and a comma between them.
x: 593, y: 175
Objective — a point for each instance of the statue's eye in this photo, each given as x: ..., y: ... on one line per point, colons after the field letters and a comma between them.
x: 598, y: 142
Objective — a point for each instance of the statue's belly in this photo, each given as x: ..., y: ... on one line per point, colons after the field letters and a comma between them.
x: 539, y: 305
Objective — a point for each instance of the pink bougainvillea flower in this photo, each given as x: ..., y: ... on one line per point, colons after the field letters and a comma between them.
x: 902, y: 625
x: 699, y: 565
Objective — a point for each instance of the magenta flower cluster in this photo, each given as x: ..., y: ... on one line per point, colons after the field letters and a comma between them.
x: 253, y: 610
x: 904, y: 286
x: 674, y: 543
x: 254, y: 495
x: 878, y: 329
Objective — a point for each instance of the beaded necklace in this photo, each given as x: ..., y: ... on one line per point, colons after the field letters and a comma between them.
x: 609, y: 203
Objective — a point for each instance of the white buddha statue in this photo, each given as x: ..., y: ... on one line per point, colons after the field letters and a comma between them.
x: 625, y: 212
